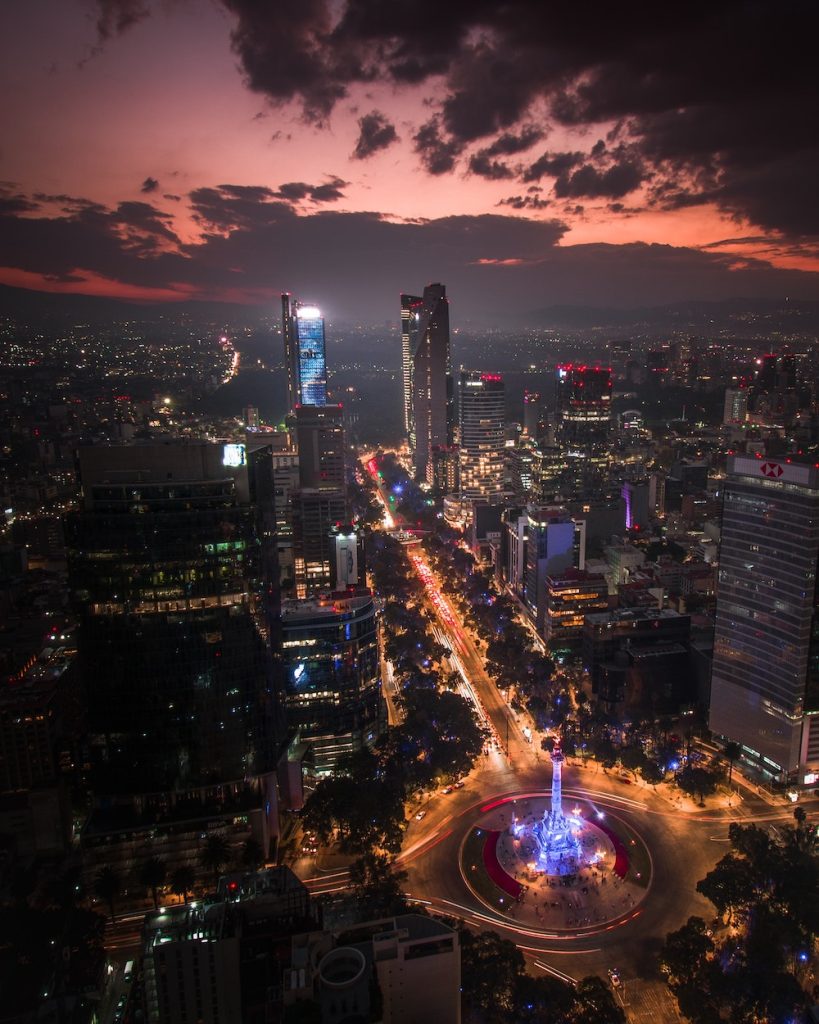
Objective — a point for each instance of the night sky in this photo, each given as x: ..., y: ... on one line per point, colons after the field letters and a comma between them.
x: 526, y: 153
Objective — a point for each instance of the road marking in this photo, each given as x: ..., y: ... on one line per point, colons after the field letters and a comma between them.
x: 557, y: 974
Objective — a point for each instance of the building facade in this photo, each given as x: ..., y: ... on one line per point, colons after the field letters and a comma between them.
x: 305, y: 353
x: 766, y: 643
x: 427, y: 340
x: 570, y: 597
x: 551, y: 547
x: 481, y: 424
x: 173, y: 576
x: 332, y: 675
x: 583, y: 409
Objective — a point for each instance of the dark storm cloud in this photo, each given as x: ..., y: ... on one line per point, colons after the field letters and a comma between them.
x: 613, y: 183
x: 12, y: 201
x: 482, y: 164
x: 552, y: 164
x: 86, y: 236
x: 230, y: 207
x: 508, y: 143
x: 149, y: 185
x: 293, y: 191
x: 720, y: 100
x: 374, y: 132
x: 329, y: 191
x: 436, y: 153
x: 530, y: 202
x: 254, y: 245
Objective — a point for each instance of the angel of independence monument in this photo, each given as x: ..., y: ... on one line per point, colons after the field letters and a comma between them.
x: 554, y: 839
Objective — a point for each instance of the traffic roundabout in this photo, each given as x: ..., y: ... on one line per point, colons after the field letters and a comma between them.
x: 600, y: 883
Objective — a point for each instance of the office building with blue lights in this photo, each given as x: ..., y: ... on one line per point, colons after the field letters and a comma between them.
x: 305, y: 353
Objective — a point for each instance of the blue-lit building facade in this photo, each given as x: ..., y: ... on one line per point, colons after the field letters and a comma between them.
x: 305, y: 353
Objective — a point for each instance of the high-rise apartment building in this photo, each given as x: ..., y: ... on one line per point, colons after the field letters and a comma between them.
x: 570, y: 596
x: 481, y: 423
x: 766, y: 643
x: 735, y: 410
x: 320, y: 436
x: 304, y: 353
x: 553, y: 544
x: 532, y: 412
x: 411, y: 308
x: 427, y: 374
x: 173, y: 574
x: 320, y: 503
x: 332, y: 681
x: 583, y: 406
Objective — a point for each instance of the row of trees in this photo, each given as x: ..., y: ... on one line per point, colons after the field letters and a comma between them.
x: 497, y: 989
x: 153, y: 875
x: 362, y: 806
x: 766, y: 890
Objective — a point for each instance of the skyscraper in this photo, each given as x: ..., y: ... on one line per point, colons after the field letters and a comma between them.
x: 411, y: 306
x: 291, y: 362
x: 172, y: 572
x: 583, y: 406
x: 320, y: 503
x: 431, y: 389
x: 332, y: 683
x: 304, y: 353
x: 481, y: 421
x: 766, y: 643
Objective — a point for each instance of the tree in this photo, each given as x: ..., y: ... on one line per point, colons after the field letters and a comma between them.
x: 252, y: 854
x: 651, y: 772
x: 490, y: 970
x: 732, y: 752
x: 362, y: 805
x: 697, y: 781
x: 152, y: 874
x: 182, y: 881
x: 730, y: 885
x: 108, y: 886
x: 378, y: 885
x: 215, y: 854
x: 594, y: 1001
x: 685, y: 951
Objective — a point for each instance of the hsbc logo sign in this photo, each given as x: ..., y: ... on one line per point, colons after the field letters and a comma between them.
x: 772, y: 470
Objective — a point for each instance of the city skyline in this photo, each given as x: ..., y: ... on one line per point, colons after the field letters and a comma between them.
x: 168, y: 152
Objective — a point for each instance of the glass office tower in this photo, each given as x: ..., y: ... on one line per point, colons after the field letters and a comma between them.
x: 763, y: 686
x: 332, y: 681
x: 172, y: 571
x: 482, y: 423
x: 305, y: 353
x: 425, y: 336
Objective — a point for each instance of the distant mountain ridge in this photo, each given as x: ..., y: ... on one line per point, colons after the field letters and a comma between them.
x: 42, y: 307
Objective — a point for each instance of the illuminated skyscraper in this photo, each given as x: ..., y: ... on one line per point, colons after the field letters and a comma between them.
x: 320, y: 502
x: 432, y: 412
x: 766, y: 642
x: 583, y: 406
x: 411, y: 307
x: 481, y: 421
x: 305, y: 354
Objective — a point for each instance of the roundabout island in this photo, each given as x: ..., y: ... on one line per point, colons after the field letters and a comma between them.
x: 537, y: 866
